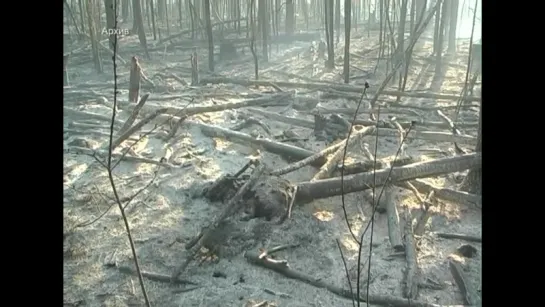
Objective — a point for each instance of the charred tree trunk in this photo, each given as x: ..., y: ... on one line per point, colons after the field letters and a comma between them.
x: 264, y: 22
x: 153, y: 24
x: 328, y: 10
x: 125, y: 9
x: 209, y: 35
x: 440, y: 39
x: 137, y: 10
x: 253, y: 35
x: 346, y: 68
x: 290, y: 17
x: 93, y: 34
x: 453, y: 26
x: 110, y: 23
x: 161, y: 10
x: 437, y: 26
x: 338, y: 20
x: 180, y: 4
x: 473, y: 181
x: 81, y: 15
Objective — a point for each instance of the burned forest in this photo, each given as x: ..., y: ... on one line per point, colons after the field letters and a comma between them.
x: 272, y: 153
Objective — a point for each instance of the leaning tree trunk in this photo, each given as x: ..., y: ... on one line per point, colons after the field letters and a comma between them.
x: 290, y: 17
x: 209, y: 35
x: 474, y: 180
x: 93, y: 34
x: 346, y: 68
x: 452, y: 27
x: 137, y: 10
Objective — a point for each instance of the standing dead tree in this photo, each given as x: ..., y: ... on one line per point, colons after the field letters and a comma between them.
x: 338, y: 20
x: 110, y: 21
x: 93, y: 34
x: 330, y: 63
x: 194, y: 67
x: 252, y: 40
x: 264, y: 26
x: 139, y: 24
x: 209, y: 35
x: 152, y: 15
x: 290, y: 17
x: 453, y: 23
x: 346, y: 67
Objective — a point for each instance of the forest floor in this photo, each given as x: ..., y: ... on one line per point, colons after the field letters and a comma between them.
x: 166, y: 215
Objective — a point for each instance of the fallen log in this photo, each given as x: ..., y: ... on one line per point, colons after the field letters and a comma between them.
x: 289, y: 152
x: 459, y: 236
x: 466, y: 288
x: 68, y: 112
x: 183, y: 113
x: 181, y: 33
x: 327, y: 169
x: 414, y: 134
x: 350, y: 111
x: 322, y: 86
x: 282, y: 267
x: 308, y: 191
x: 412, y: 271
x: 447, y: 194
x: 104, y: 155
x: 394, y: 232
x: 148, y: 108
x: 391, y: 103
x: 280, y: 39
x: 231, y: 207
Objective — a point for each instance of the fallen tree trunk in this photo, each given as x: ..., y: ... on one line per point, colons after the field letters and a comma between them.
x: 184, y: 32
x: 289, y: 152
x: 307, y: 191
x: 150, y: 107
x: 322, y: 86
x: 355, y: 97
x: 282, y: 267
x: 281, y: 39
x: 447, y: 194
x: 68, y: 112
x: 415, y: 134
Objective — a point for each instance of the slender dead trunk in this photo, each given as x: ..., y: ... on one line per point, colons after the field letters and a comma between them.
x: 453, y: 26
x: 264, y: 22
x: 153, y: 23
x: 474, y: 179
x: 346, y: 67
x: 209, y: 35
x: 328, y: 10
x: 137, y: 10
x: 93, y: 34
x: 338, y: 20
x: 253, y: 35
x: 440, y: 39
x: 110, y: 22
x: 290, y: 16
x: 81, y: 15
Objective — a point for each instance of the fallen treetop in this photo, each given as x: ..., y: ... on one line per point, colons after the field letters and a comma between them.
x: 322, y: 86
x: 307, y: 191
